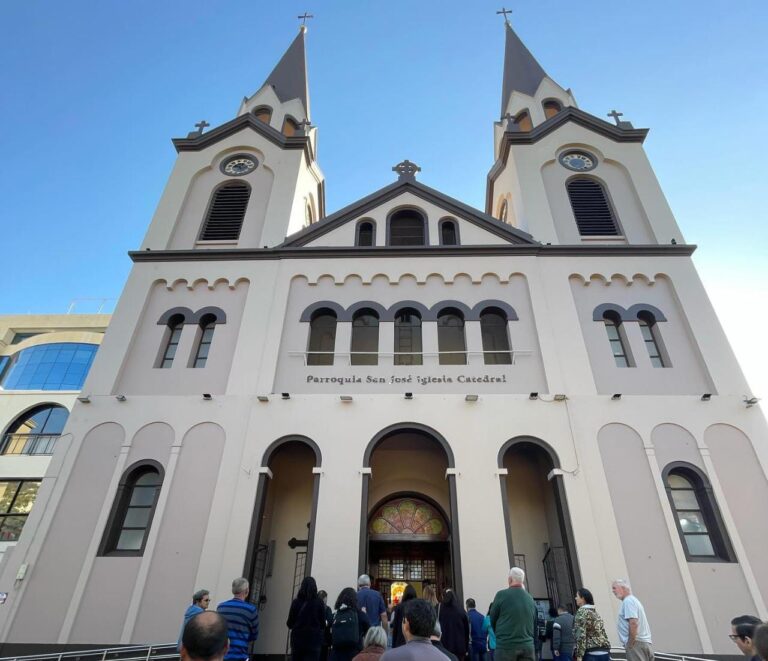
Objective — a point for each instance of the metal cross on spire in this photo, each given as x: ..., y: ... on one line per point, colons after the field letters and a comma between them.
x: 505, y: 11
x: 304, y: 18
x: 615, y: 116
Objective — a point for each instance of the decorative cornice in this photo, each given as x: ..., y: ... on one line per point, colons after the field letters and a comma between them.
x: 509, y: 250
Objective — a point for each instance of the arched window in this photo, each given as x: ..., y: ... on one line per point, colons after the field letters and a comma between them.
x: 366, y: 233
x: 407, y: 228
x: 617, y: 339
x: 322, y: 337
x: 36, y: 431
x: 263, y: 114
x: 290, y: 127
x: 696, y: 514
x: 504, y: 212
x: 593, y: 213
x: 494, y: 330
x: 226, y: 212
x: 450, y: 337
x: 309, y: 214
x: 408, y: 337
x: 551, y: 108
x: 523, y: 121
x: 132, y: 512
x: 365, y: 338
x: 205, y: 337
x: 652, y: 338
x: 172, y: 339
x: 449, y: 233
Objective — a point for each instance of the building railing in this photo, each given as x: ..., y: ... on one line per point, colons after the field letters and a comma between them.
x: 132, y: 653
x: 29, y: 444
x: 514, y: 353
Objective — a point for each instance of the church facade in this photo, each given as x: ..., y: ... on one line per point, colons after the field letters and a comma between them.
x: 409, y: 387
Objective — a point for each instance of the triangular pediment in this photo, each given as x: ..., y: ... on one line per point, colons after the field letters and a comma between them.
x: 475, y: 227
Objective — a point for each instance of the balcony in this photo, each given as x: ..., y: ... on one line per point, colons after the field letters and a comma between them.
x: 29, y: 444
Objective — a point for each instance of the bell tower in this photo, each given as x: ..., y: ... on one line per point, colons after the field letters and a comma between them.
x: 564, y: 175
x: 251, y: 181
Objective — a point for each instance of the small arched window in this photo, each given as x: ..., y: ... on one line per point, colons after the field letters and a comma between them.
x: 366, y: 233
x: 205, y: 337
x: 322, y: 337
x: 551, y: 108
x: 408, y: 337
x: 523, y: 121
x: 263, y: 114
x: 226, y: 212
x: 407, y: 228
x: 593, y: 213
x: 652, y: 338
x: 617, y: 339
x: 172, y: 339
x: 451, y: 343
x: 697, y: 516
x: 133, y: 510
x: 290, y: 127
x: 449, y: 233
x: 36, y: 431
x: 504, y: 212
x: 494, y: 330
x: 365, y: 338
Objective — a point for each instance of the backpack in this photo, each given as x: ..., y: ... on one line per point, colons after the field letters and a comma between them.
x: 345, y: 631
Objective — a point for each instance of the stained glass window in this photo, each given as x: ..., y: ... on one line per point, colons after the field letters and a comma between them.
x: 408, y: 517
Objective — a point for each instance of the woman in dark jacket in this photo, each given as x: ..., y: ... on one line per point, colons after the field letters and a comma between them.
x: 306, y: 620
x: 345, y: 644
x: 397, y: 618
x: 455, y: 625
x: 328, y: 622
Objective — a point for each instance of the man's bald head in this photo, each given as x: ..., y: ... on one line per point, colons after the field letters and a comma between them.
x: 205, y: 638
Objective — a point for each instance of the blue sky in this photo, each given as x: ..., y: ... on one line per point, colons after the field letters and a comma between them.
x: 93, y: 92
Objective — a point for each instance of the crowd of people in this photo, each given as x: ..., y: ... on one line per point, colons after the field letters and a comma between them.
x: 360, y: 628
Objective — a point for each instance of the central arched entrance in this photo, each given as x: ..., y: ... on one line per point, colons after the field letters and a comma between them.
x: 409, y: 529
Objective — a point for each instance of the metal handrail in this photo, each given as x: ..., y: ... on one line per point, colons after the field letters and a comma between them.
x: 31, y: 444
x: 664, y: 656
x: 388, y: 354
x: 129, y: 653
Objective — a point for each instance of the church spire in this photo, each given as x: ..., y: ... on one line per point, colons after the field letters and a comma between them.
x: 289, y: 77
x: 522, y: 73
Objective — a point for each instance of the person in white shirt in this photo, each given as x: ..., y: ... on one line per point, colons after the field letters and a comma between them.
x: 634, y: 631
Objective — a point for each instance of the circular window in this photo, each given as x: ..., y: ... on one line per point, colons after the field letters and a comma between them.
x: 239, y: 165
x: 580, y: 161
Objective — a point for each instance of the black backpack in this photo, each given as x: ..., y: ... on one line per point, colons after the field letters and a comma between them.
x: 345, y: 631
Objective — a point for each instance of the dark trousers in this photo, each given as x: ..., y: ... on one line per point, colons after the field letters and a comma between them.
x: 515, y: 654
x: 477, y: 653
x: 306, y: 654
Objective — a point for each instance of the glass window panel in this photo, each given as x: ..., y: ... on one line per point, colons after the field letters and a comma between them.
x: 137, y: 517
x: 699, y: 545
x: 44, y: 367
x: 656, y: 361
x: 621, y: 361
x: 676, y: 481
x: 493, y: 328
x: 149, y: 478
x: 365, y: 235
x: 11, y: 526
x: 365, y: 338
x: 691, y: 521
x: 130, y: 540
x: 322, y: 339
x: 25, y: 498
x: 448, y: 230
x: 143, y: 496
x: 408, y: 338
x: 406, y: 229
x: 7, y: 492
x: 685, y: 500
x: 450, y: 338
x: 202, y: 352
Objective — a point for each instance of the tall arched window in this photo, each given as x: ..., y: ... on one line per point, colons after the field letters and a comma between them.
x: 290, y: 127
x: 449, y: 233
x: 365, y: 234
x: 593, y: 213
x: 696, y: 513
x: 407, y: 228
x: 494, y: 330
x: 523, y: 121
x: 551, y: 108
x: 263, y: 114
x: 617, y: 339
x: 451, y: 342
x: 322, y: 337
x: 365, y: 338
x: 504, y: 212
x: 652, y: 338
x: 226, y: 212
x: 408, y: 337
x: 132, y: 511
x: 172, y: 339
x: 36, y: 431
x: 205, y: 337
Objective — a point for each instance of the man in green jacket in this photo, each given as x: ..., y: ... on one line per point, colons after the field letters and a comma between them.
x: 513, y: 618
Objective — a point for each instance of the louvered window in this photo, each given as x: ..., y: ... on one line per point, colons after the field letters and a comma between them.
x: 226, y: 213
x: 593, y: 213
x: 406, y: 228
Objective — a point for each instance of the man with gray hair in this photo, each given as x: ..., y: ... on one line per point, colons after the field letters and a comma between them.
x: 513, y: 619
x: 632, y: 624
x: 242, y: 621
x: 371, y: 603
x: 200, y: 601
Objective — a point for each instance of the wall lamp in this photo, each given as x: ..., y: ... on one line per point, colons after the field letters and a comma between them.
x: 751, y: 401
x: 706, y: 397
x: 560, y: 397
x: 471, y: 398
x: 345, y: 398
x: 409, y: 395
x: 285, y: 395
x: 616, y: 397
x: 262, y: 398
x: 85, y: 399
x: 120, y: 398
x: 207, y: 396
x: 533, y: 395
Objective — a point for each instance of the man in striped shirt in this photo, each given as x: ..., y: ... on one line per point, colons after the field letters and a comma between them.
x: 242, y: 621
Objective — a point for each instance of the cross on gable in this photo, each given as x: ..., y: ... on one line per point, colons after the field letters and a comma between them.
x: 406, y: 170
x: 615, y: 116
x: 200, y: 126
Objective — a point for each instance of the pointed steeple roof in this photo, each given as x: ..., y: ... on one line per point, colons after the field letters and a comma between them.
x: 522, y: 72
x: 289, y: 77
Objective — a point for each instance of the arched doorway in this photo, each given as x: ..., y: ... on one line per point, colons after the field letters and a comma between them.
x: 539, y: 534
x: 409, y: 531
